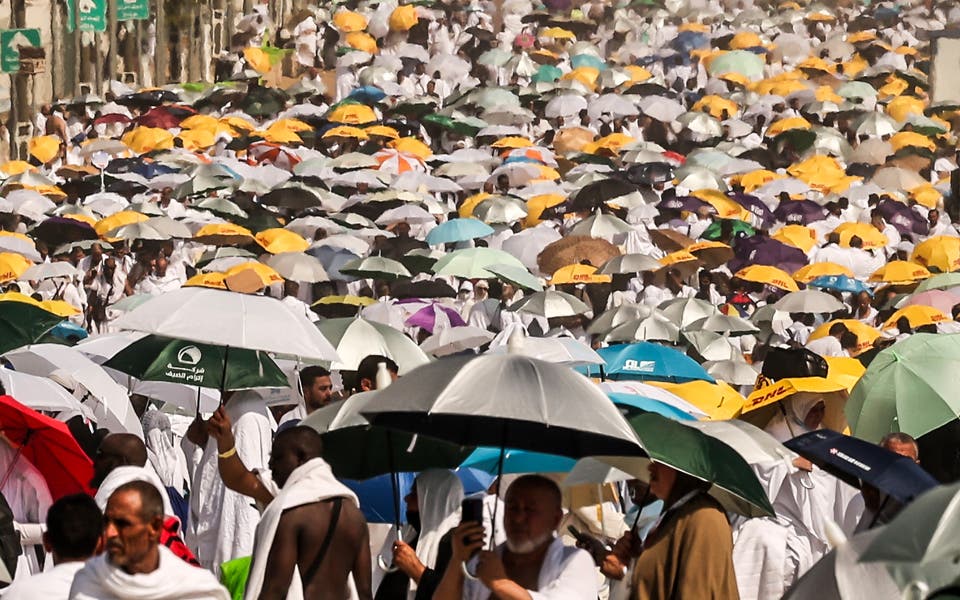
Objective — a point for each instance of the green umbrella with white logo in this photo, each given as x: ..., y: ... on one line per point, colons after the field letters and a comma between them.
x: 156, y: 358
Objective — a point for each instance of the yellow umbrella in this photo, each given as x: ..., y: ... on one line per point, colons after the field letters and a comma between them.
x: 820, y: 15
x: 348, y: 22
x: 258, y: 59
x: 817, y: 169
x: 578, y: 273
x: 350, y: 300
x: 894, y: 86
x: 411, y: 145
x: 637, y: 74
x: 758, y: 178
x: 586, y: 75
x: 365, y: 42
x: 558, y: 33
x: 900, y: 272
x: 778, y: 127
x: 717, y: 105
x: 278, y: 240
x: 267, y: 275
x: 694, y: 26
x: 822, y: 269
x: 345, y: 131
x: 941, y: 252
x: 744, y: 40
x: 224, y: 234
x: 512, y: 142
x: 797, y: 236
x: 352, y: 114
x: 147, y: 139
x: 199, y: 121
x: 720, y: 401
x: 383, y: 131
x: 904, y: 139
x: 537, y: 204
x: 12, y: 266
x: 613, y: 142
x: 844, y: 370
x: 760, y: 408
x: 737, y: 78
x: 403, y: 18
x: 207, y: 280
x: 902, y: 107
x: 855, y: 66
x: 815, y: 63
x: 711, y: 254
x: 825, y: 93
x: 197, y: 139
x: 917, y: 315
x: 80, y: 217
x: 726, y: 207
x: 466, y: 209
x: 280, y: 136
x: 926, y: 195
x: 866, y: 335
x: 546, y: 174
x: 861, y: 36
x: 768, y: 275
x: 44, y: 148
x: 868, y: 234
x: 125, y: 217
x: 16, y: 167
x: 50, y: 191
x: 57, y: 307
x: 237, y: 123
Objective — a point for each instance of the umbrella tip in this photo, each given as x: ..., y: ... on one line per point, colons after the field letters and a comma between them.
x: 383, y: 376
x: 835, y: 535
x: 515, y: 342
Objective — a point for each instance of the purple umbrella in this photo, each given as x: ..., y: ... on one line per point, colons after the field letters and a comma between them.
x: 905, y: 219
x: 799, y: 212
x: 758, y: 250
x: 426, y: 317
x: 756, y: 207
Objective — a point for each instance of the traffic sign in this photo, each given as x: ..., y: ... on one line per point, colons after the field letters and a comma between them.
x: 92, y: 15
x: 133, y: 10
x: 11, y: 40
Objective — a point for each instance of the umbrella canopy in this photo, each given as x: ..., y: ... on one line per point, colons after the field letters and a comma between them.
x: 645, y: 361
x: 506, y: 401
x: 458, y: 230
x: 550, y: 304
x: 22, y: 323
x: 809, y: 301
x: 357, y: 338
x: 296, y: 266
x: 376, y: 267
x: 229, y: 319
x: 472, y: 263
x: 861, y: 462
x: 49, y: 446
x: 154, y: 358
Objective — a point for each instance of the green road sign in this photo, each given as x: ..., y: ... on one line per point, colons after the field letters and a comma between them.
x: 133, y: 10
x: 11, y: 40
x: 92, y: 15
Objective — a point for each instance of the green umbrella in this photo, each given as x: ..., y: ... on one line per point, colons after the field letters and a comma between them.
x: 927, y: 530
x: 358, y: 338
x: 516, y: 275
x: 743, y: 62
x: 156, y: 358
x: 472, y: 263
x: 547, y: 73
x: 943, y: 281
x: 463, y: 127
x: 699, y: 455
x: 22, y: 324
x: 713, y: 231
x: 909, y: 387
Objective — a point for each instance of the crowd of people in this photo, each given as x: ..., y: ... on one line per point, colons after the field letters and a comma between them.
x: 739, y: 215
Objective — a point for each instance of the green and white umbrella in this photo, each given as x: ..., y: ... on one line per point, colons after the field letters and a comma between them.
x: 376, y: 267
x: 156, y: 358
x: 685, y: 311
x: 550, y: 304
x: 516, y: 275
x: 357, y: 338
x: 909, y: 387
x: 472, y: 263
x: 630, y: 263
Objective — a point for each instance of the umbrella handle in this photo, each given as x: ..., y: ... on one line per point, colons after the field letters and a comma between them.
x: 384, y: 566
x: 467, y: 573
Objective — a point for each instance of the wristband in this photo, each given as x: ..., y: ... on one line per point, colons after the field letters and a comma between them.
x: 228, y: 453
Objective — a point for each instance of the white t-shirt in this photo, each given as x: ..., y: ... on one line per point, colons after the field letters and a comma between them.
x: 53, y: 584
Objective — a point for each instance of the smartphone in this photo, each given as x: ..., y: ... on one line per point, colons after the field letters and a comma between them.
x: 471, y: 510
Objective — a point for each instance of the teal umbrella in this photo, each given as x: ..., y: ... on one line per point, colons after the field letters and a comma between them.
x: 909, y: 387
x: 547, y: 74
x: 22, y: 324
x: 588, y: 60
x: 156, y: 358
x: 487, y: 459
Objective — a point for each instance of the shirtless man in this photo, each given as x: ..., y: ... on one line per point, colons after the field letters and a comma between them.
x: 303, y: 529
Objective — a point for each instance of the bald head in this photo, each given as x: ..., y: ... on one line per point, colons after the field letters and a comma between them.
x: 117, y: 450
x: 292, y: 448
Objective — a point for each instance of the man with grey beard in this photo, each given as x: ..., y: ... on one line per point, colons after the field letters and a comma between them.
x: 533, y: 564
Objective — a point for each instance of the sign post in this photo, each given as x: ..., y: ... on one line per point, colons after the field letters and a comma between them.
x: 11, y: 40
x: 92, y: 15
x: 133, y: 10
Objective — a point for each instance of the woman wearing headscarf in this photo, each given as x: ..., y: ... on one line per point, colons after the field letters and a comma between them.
x: 798, y: 414
x: 433, y: 510
x: 689, y: 552
x: 167, y: 460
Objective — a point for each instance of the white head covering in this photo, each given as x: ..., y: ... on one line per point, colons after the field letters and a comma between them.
x: 167, y: 459
x: 788, y: 423
x: 439, y: 495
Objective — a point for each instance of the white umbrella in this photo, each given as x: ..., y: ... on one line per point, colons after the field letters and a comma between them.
x: 614, y: 105
x: 710, y: 345
x: 297, y: 266
x: 652, y: 328
x: 50, y: 270
x: 550, y: 304
x: 630, y: 263
x: 41, y: 393
x: 408, y: 213
x: 809, y: 301
x: 733, y: 371
x: 603, y: 226
x: 88, y: 381
x: 451, y: 340
x: 619, y: 315
x: 500, y: 209
x: 561, y: 350
x: 345, y: 241
x: 229, y: 319
x: 358, y: 338
x: 529, y: 243
x: 30, y: 204
x: 684, y: 311
x: 662, y: 109
x: 721, y: 323
x: 565, y: 105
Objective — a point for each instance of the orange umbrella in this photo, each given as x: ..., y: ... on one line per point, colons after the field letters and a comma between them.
x: 44, y: 148
x: 941, y: 252
x: 578, y: 273
x: 403, y: 18
x: 821, y: 269
x: 352, y: 114
x: 868, y: 234
x: 711, y: 254
x: 278, y: 240
x: 866, y: 335
x: 797, y: 236
x: 412, y: 146
x: 365, y: 42
x: 345, y: 131
x: 768, y: 275
x: 208, y: 280
x: 224, y: 234
x: 12, y: 266
x: 119, y: 219
x: 512, y: 142
x: 917, y: 315
x: 778, y: 127
x: 349, y: 22
x: 466, y: 209
x: 900, y: 272
x: 758, y: 178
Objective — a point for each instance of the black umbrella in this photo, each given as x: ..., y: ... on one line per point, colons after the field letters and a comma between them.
x: 148, y: 98
x: 857, y: 462
x: 427, y: 288
x: 59, y: 230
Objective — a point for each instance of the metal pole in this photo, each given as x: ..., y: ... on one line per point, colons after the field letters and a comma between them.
x: 112, y: 32
x: 160, y: 61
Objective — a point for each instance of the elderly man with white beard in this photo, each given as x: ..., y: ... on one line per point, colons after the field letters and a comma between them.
x: 533, y: 564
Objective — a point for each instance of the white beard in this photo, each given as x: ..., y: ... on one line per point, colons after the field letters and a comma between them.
x: 527, y: 546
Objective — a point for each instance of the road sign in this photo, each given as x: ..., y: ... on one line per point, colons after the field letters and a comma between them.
x: 92, y: 15
x: 11, y: 40
x: 133, y: 10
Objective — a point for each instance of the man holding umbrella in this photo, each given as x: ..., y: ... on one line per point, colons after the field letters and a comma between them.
x: 532, y: 564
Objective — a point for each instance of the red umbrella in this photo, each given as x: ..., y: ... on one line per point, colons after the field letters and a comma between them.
x: 165, y: 117
x: 111, y: 118
x: 49, y: 446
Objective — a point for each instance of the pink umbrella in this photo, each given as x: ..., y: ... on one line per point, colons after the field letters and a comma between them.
x: 524, y: 40
x: 940, y: 299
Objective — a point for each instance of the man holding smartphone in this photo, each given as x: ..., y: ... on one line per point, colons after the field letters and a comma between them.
x: 533, y: 564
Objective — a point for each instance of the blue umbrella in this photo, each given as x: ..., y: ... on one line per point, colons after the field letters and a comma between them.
x: 854, y: 461
x: 633, y: 404
x: 517, y: 461
x: 68, y: 331
x: 376, y: 497
x: 588, y: 60
x: 645, y: 361
x: 840, y: 283
x: 458, y: 230
x: 367, y: 94
x: 332, y: 259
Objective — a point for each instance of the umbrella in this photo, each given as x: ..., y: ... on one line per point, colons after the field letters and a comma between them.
x: 229, y: 319
x: 472, y: 263
x: 41, y: 393
x: 943, y: 281
x: 376, y: 267
x: 859, y: 462
x: 453, y: 340
x: 435, y: 316
x: 769, y: 276
x: 296, y: 266
x: 560, y: 350
x: 155, y: 358
x: 49, y: 446
x: 726, y: 324
x: 630, y: 263
x: 941, y: 300
x: 645, y: 361
x: 654, y: 327
x: 899, y: 272
x: 22, y: 324
x: 685, y: 311
x: 698, y: 454
x: 516, y: 461
x: 809, y: 301
x: 357, y: 338
x: 734, y: 372
x: 840, y: 283
x: 907, y: 387
x: 458, y: 230
x: 575, y: 249
x: 550, y: 304
x: 515, y: 275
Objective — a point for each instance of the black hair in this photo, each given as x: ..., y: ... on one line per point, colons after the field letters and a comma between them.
x: 74, y: 526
